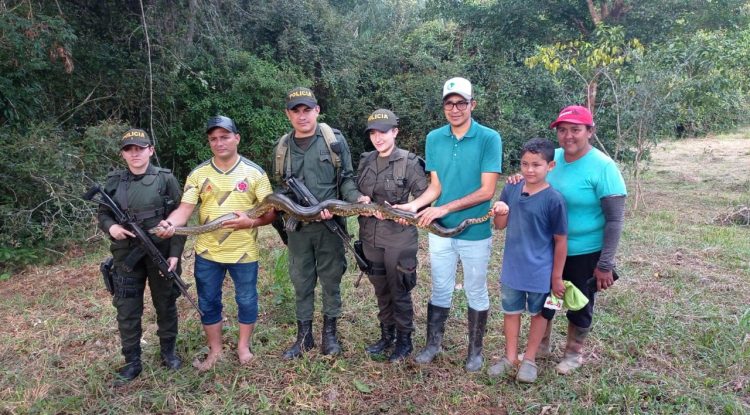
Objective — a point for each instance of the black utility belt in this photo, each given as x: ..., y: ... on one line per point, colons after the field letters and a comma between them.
x: 143, y: 215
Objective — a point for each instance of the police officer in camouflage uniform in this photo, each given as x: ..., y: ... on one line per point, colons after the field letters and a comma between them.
x: 315, y: 253
x: 148, y: 194
x: 390, y: 175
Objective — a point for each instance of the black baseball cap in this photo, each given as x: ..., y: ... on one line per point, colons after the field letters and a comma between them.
x: 381, y: 120
x: 136, y: 137
x: 300, y: 96
x: 221, y: 121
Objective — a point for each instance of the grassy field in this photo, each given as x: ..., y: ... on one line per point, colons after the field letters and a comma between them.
x: 671, y: 337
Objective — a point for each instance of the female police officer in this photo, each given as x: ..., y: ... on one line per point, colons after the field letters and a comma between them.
x: 390, y: 175
x: 148, y: 194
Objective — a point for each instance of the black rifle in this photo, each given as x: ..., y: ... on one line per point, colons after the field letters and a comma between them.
x: 144, y: 241
x: 306, y: 198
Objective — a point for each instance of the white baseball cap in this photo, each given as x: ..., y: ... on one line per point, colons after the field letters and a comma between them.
x: 460, y: 86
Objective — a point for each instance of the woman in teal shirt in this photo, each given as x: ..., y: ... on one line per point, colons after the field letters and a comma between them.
x: 594, y: 192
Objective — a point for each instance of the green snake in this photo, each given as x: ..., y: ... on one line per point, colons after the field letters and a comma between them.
x: 280, y: 202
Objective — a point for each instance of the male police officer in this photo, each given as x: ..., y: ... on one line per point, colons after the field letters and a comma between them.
x: 148, y: 194
x: 464, y: 159
x: 318, y: 156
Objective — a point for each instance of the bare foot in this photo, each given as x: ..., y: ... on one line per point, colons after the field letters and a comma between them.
x: 208, y: 362
x: 245, y: 355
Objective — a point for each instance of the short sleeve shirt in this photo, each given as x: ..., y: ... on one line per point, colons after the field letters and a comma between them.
x: 240, y: 188
x: 583, y: 183
x: 459, y: 164
x: 533, y: 221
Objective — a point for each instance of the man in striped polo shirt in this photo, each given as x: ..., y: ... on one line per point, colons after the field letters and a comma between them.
x: 226, y: 183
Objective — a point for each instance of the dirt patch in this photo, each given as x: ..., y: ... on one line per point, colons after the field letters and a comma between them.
x: 698, y: 179
x: 725, y: 160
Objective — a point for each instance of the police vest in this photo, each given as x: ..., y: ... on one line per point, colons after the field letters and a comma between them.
x: 282, y: 149
x: 399, y: 167
x: 124, y: 178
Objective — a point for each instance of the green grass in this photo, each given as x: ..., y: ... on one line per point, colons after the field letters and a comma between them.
x: 672, y: 336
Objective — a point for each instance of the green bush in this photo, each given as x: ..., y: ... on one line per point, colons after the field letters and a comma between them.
x: 44, y: 171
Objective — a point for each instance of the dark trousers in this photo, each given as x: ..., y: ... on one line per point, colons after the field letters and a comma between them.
x: 394, y: 276
x: 128, y: 300
x: 579, y: 269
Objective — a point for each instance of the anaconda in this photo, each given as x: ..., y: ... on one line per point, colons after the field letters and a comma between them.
x: 280, y: 202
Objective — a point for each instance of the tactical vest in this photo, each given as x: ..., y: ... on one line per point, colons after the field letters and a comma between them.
x: 124, y: 179
x: 283, y: 163
x: 399, y: 167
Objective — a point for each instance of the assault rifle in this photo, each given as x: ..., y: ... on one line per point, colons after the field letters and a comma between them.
x: 144, y: 241
x: 306, y: 198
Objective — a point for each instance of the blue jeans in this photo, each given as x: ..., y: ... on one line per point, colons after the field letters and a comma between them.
x: 444, y: 256
x: 516, y: 301
x: 209, y: 277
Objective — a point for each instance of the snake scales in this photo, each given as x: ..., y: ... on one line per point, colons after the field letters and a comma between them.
x: 280, y: 202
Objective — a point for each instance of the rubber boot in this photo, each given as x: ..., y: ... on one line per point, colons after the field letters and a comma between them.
x: 436, y: 317
x: 573, y: 358
x: 545, y: 350
x: 477, y: 326
x: 304, y: 340
x: 330, y: 344
x: 168, y: 355
x: 387, y: 337
x: 403, y: 347
x: 133, y: 366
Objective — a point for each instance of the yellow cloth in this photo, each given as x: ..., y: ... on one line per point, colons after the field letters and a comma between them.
x: 241, y: 187
x: 573, y: 299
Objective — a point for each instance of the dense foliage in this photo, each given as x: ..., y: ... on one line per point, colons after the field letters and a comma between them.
x: 74, y: 74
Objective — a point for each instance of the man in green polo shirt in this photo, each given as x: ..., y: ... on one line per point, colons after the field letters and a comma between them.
x: 464, y: 159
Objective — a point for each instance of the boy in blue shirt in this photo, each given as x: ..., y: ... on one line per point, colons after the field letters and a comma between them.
x: 535, y: 249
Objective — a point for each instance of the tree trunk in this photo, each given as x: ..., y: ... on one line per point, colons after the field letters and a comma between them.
x: 591, y: 94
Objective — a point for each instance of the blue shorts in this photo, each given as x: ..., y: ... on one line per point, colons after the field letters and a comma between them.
x: 517, y: 301
x: 209, y: 278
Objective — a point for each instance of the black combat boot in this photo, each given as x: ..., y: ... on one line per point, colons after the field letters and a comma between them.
x: 477, y: 326
x: 330, y: 344
x: 304, y: 340
x: 403, y: 346
x: 133, y: 366
x: 436, y: 317
x: 387, y: 338
x: 168, y: 355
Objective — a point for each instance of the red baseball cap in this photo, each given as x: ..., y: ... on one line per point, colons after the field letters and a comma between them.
x: 574, y: 114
